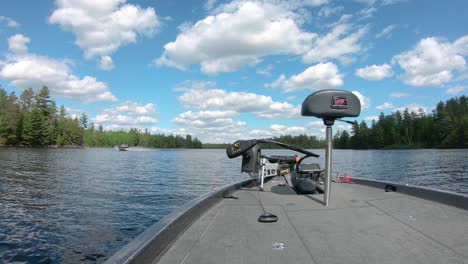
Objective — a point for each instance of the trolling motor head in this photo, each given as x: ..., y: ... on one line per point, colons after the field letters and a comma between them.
x: 240, y: 147
x: 330, y: 105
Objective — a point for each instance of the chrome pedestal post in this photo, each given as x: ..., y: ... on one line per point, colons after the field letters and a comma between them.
x: 328, y: 161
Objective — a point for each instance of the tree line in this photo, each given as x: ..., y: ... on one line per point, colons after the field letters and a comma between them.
x: 33, y: 119
x: 445, y: 127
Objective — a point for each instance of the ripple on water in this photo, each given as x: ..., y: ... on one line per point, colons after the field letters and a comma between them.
x: 82, y: 205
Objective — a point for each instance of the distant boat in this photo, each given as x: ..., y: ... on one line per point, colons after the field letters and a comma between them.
x: 123, y: 147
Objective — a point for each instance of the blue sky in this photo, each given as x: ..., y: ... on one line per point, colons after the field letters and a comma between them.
x: 223, y: 70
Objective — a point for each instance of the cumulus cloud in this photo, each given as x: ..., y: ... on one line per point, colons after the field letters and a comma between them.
x: 238, y: 34
x: 241, y: 102
x: 399, y: 95
x: 317, y: 77
x: 276, y: 130
x: 365, y: 101
x: 241, y: 32
x: 375, y: 72
x: 211, y: 126
x: 341, y: 43
x: 433, y: 62
x: 384, y: 106
x: 9, y: 22
x: 132, y: 108
x: 386, y: 32
x: 456, y: 90
x: 106, y: 63
x: 18, y: 43
x: 27, y: 70
x: 102, y: 27
x: 127, y: 115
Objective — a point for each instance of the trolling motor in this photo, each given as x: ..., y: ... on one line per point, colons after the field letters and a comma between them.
x: 253, y: 162
x: 330, y: 105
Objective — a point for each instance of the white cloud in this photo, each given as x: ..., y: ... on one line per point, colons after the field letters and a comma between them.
x: 238, y: 34
x: 433, y: 61
x: 127, y: 115
x: 241, y: 32
x: 74, y: 113
x: 18, y: 43
x: 340, y: 127
x: 266, y: 71
x: 365, y: 101
x: 386, y: 32
x: 399, y: 95
x: 34, y: 71
x: 241, y: 102
x: 106, y: 63
x: 316, y: 124
x: 317, y: 77
x: 341, y: 43
x: 211, y: 126
x: 456, y: 90
x: 208, y: 120
x: 209, y: 4
x: 276, y: 130
x: 384, y: 106
x: 375, y: 72
x: 9, y: 21
x: 371, y: 118
x: 328, y: 11
x: 132, y: 108
x: 316, y: 2
x: 124, y: 119
x: 102, y: 27
x: 367, y: 12
x: 412, y: 108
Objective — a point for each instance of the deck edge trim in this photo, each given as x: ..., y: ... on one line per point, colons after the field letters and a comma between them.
x: 150, y: 245
x: 444, y: 197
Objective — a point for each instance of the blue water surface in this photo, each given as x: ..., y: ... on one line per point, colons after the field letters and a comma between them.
x: 82, y: 205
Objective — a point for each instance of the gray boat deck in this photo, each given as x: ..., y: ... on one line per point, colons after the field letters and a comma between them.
x: 362, y: 225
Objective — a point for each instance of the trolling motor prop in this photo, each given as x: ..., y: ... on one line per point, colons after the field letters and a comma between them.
x: 330, y: 105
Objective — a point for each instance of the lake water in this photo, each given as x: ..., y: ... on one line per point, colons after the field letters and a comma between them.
x: 82, y: 205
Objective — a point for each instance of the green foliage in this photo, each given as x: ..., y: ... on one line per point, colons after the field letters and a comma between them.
x: 33, y: 120
x: 302, y: 141
x: 446, y: 127
x: 101, y: 138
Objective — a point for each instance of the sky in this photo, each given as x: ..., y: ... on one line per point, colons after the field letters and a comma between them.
x: 227, y: 70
